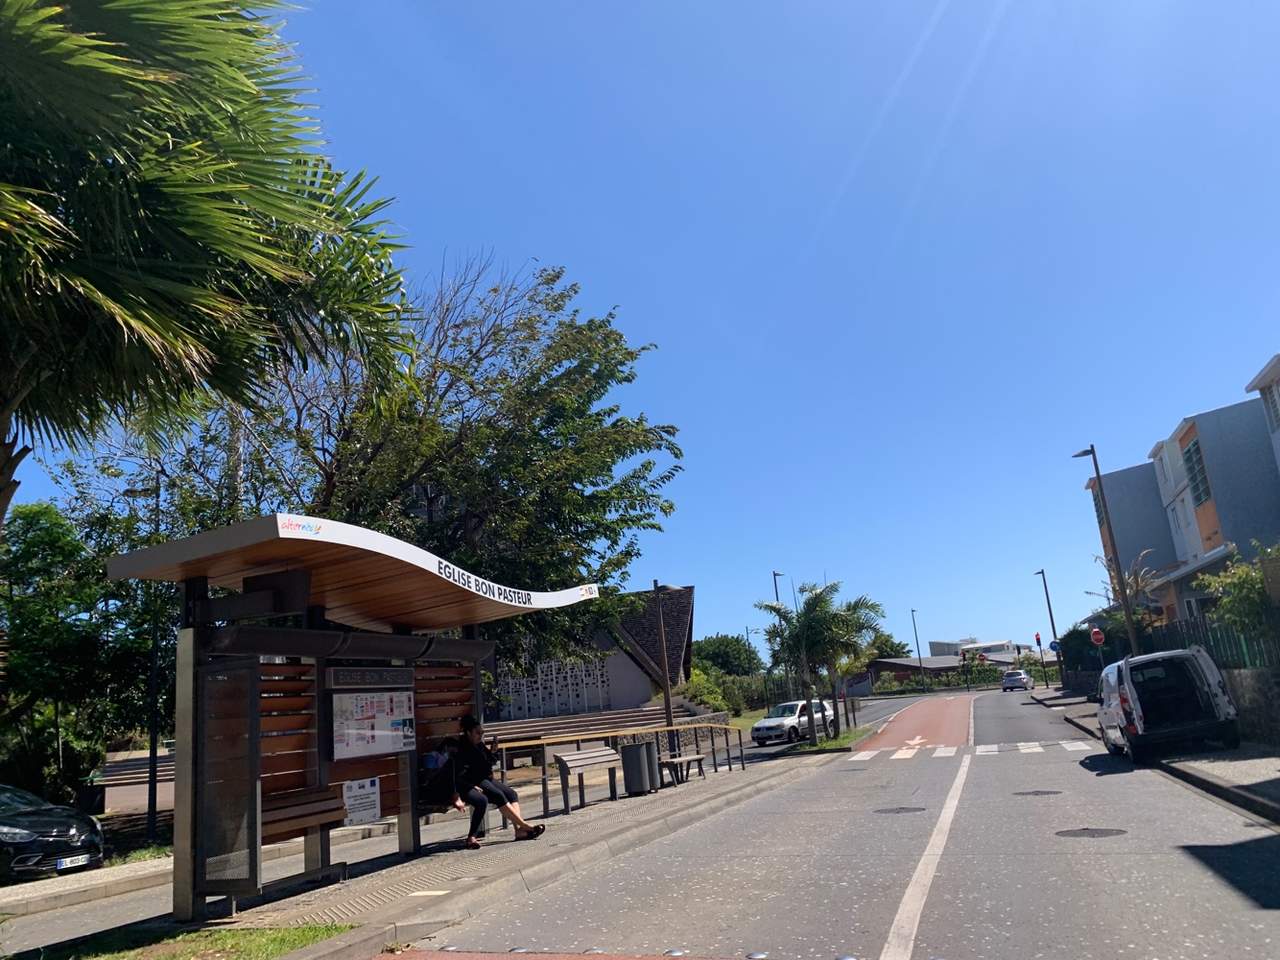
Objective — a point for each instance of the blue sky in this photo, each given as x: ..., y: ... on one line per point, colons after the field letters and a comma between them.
x: 900, y: 259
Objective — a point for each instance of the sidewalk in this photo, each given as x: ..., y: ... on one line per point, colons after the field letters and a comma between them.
x: 71, y: 889
x: 1248, y: 777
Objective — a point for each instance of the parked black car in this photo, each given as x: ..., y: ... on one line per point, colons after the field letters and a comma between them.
x: 39, y: 838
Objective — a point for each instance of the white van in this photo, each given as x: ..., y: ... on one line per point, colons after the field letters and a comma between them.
x: 1160, y: 697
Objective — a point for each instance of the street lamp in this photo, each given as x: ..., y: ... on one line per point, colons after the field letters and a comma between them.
x: 917, y: 635
x: 1053, y: 627
x: 666, y: 670
x: 1115, y: 550
x: 153, y: 670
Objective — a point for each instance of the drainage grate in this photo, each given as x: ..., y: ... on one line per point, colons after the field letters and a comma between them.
x: 1036, y: 793
x: 1091, y: 832
x: 900, y: 810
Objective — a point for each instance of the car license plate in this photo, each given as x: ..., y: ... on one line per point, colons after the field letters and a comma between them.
x: 79, y: 860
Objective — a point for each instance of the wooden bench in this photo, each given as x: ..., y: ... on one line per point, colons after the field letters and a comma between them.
x: 285, y: 813
x: 587, y: 760
x: 678, y: 766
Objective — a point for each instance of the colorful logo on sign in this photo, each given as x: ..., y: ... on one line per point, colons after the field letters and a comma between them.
x: 296, y: 525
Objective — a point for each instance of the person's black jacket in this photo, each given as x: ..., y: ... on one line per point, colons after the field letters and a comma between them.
x: 472, y: 763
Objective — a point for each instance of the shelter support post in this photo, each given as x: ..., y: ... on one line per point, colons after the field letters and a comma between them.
x: 188, y: 905
x: 407, y: 817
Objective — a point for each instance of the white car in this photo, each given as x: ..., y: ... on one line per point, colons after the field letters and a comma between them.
x: 1016, y: 680
x: 790, y: 721
x: 1161, y: 697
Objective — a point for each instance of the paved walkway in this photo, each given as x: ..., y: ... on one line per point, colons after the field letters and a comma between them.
x: 452, y: 882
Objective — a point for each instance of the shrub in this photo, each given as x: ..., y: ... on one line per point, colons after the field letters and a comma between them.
x: 701, y: 689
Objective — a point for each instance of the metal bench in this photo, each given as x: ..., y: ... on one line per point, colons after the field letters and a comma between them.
x: 587, y: 760
x: 678, y: 766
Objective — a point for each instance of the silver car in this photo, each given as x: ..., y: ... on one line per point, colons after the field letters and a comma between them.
x: 1016, y: 680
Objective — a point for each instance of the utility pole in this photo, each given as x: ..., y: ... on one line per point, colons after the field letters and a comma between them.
x: 1053, y: 627
x: 1121, y: 585
x: 917, y: 635
x: 666, y: 674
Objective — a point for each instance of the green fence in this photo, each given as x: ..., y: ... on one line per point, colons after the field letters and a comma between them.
x: 1228, y: 647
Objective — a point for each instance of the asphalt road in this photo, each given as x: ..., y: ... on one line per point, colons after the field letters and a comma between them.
x: 1018, y: 846
x: 869, y: 712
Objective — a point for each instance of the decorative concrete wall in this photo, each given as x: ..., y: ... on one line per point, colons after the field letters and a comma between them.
x: 1257, y: 696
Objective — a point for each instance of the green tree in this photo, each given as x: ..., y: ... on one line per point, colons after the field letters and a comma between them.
x: 168, y: 230
x: 883, y: 646
x: 729, y: 652
x: 78, y: 655
x: 1241, y: 593
x: 822, y: 632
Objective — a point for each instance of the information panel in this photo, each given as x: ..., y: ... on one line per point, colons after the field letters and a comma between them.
x: 363, y: 801
x: 373, y: 723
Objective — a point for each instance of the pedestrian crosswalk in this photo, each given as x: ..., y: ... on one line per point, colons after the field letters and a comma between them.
x: 981, y: 750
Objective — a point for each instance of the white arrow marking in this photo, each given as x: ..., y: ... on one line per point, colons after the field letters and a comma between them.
x: 914, y: 741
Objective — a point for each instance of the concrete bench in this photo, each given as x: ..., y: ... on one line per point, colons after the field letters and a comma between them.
x: 678, y: 766
x: 587, y: 760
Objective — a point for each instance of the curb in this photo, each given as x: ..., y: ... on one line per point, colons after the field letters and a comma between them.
x: 1214, y: 786
x: 38, y: 902
x: 392, y: 924
x: 1223, y: 790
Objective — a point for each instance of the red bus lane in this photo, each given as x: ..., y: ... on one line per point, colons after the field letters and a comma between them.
x: 938, y: 721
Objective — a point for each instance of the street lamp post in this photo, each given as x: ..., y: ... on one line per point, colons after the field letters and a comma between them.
x: 806, y: 685
x: 153, y: 669
x: 917, y: 635
x: 1123, y: 587
x: 666, y: 672
x: 1053, y: 627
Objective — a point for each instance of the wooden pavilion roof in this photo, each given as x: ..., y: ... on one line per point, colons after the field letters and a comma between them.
x: 365, y: 579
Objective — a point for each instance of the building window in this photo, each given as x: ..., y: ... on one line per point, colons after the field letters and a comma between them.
x: 1271, y: 401
x: 1175, y: 521
x: 1197, y: 479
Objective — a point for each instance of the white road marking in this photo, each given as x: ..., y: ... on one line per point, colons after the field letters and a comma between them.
x: 902, y: 935
x: 906, y: 753
x: 1057, y: 708
x: 428, y: 893
x: 945, y: 752
x: 914, y: 741
x: 971, y: 699
x: 985, y: 748
x: 1030, y: 748
x: 864, y: 755
x: 1075, y: 745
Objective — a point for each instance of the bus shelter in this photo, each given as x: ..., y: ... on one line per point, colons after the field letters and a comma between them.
x: 315, y: 661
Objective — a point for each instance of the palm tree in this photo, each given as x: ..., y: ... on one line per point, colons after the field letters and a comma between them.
x: 822, y: 632
x: 168, y: 231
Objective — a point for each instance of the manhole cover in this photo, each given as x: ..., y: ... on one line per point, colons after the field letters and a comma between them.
x: 1091, y: 832
x: 900, y: 810
x: 1036, y: 793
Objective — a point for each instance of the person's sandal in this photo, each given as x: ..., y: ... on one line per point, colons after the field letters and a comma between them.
x: 471, y: 843
x: 534, y: 832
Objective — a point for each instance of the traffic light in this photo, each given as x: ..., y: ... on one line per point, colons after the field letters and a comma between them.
x: 1037, y: 638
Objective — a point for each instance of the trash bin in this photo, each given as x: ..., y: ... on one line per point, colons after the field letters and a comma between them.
x: 655, y: 777
x: 635, y: 768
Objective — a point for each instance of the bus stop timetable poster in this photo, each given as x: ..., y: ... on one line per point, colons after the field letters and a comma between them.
x: 369, y: 724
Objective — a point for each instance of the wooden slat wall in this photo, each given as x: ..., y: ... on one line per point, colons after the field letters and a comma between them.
x: 443, y: 695
x: 287, y: 712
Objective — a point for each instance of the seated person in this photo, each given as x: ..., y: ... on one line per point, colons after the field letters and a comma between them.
x: 473, y: 783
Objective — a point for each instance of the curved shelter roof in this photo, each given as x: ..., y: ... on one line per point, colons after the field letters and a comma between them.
x: 362, y: 578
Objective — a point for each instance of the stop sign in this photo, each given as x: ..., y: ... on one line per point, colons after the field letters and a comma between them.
x: 1098, y: 637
